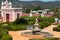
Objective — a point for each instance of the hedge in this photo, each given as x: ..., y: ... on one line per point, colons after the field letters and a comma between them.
x: 7, y: 37
x: 57, y: 28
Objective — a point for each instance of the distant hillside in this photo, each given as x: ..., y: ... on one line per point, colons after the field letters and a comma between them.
x: 30, y: 4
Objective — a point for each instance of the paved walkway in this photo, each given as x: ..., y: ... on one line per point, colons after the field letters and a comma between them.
x: 50, y: 29
x: 17, y: 34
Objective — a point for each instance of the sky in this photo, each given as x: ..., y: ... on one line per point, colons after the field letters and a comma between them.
x: 41, y: 0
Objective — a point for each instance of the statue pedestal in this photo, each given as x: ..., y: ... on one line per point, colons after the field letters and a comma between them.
x: 36, y: 30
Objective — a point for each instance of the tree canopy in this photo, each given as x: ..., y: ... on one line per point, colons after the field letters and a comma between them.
x: 37, y: 8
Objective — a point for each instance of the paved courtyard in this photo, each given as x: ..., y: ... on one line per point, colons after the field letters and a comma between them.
x: 17, y: 34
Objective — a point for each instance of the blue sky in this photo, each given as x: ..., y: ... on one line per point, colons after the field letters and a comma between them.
x: 41, y: 0
x: 48, y: 0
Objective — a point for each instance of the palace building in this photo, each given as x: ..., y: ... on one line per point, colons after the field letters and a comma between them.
x: 8, y: 13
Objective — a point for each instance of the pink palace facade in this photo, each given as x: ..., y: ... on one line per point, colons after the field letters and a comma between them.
x: 8, y: 13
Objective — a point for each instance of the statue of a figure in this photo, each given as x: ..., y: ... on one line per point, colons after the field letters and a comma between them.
x: 31, y: 13
x: 56, y: 20
x: 42, y: 15
x: 36, y: 20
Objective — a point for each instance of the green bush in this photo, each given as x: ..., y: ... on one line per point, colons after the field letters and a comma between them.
x: 45, y: 21
x: 57, y: 28
x: 13, y: 27
x: 21, y: 23
x: 32, y: 20
x: 7, y: 37
x: 27, y: 10
x: 37, y: 8
x: 21, y: 20
x: 0, y: 36
x: 16, y: 28
x: 3, y: 32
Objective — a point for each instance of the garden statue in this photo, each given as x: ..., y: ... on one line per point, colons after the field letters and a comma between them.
x: 36, y: 20
x: 36, y: 29
x: 31, y: 14
x: 42, y: 15
x: 56, y: 20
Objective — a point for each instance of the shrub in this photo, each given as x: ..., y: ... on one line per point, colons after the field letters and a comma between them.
x: 45, y: 21
x: 0, y: 36
x: 57, y: 28
x: 21, y: 20
x: 27, y: 10
x: 3, y: 32
x: 32, y: 20
x: 16, y: 28
x: 7, y: 37
x: 21, y: 23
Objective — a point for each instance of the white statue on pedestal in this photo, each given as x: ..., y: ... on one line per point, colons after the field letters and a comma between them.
x: 30, y: 14
x: 56, y: 20
x: 42, y: 15
x: 36, y: 20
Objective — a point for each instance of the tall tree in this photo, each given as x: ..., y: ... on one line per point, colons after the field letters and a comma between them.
x: 37, y: 8
x: 56, y: 12
x: 27, y: 10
